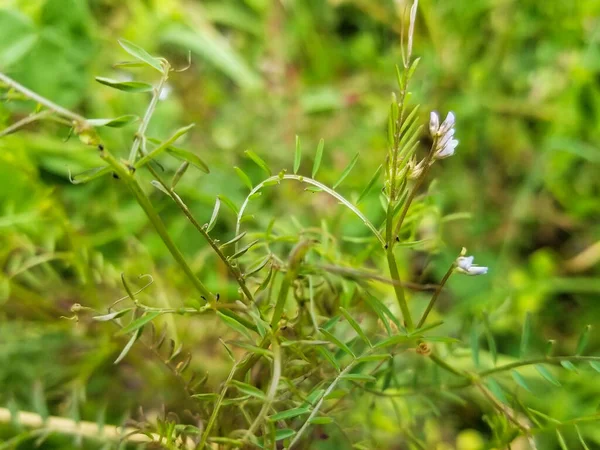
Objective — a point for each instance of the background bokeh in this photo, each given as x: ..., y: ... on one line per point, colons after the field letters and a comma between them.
x: 522, y: 192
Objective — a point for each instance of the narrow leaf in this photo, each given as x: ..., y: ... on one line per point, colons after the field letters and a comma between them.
x: 297, y: 155
x: 229, y: 203
x: 141, y: 54
x: 234, y: 240
x: 180, y: 173
x: 215, y: 214
x: 160, y: 187
x: 235, y: 325
x: 112, y: 316
x: 520, y: 380
x: 561, y: 440
x: 245, y: 178
x: 373, y: 358
x: 127, y: 86
x: 569, y: 366
x: 331, y: 338
x: 544, y: 372
x: 258, y: 161
x: 583, y: 340
x: 243, y: 250
x: 318, y: 157
x: 583, y: 444
x: 394, y: 340
x: 289, y: 414
x: 497, y: 390
x: 284, y: 433
x: 595, y: 365
x: 138, y: 323
x: 189, y: 157
x: 258, y: 266
x: 474, y: 342
x: 329, y: 357
x: 525, y: 335
x: 346, y: 171
x: 321, y: 420
x: 354, y: 324
x: 359, y: 377
x: 370, y: 184
x: 117, y: 122
x: 128, y: 346
x: 208, y: 397
x: 248, y: 389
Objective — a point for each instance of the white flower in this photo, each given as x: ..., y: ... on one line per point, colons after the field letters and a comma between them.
x: 443, y: 134
x: 166, y: 92
x: 464, y: 264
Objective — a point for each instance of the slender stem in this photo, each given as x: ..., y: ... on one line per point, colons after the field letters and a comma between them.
x: 155, y: 219
x: 41, y: 100
x: 547, y: 359
x: 444, y: 365
x: 270, y: 398
x: 435, y: 296
x: 413, y: 192
x: 25, y: 121
x: 233, y: 270
x: 502, y: 408
x: 398, y: 289
x: 215, y: 413
x: 315, y: 183
x: 319, y: 404
x: 141, y: 132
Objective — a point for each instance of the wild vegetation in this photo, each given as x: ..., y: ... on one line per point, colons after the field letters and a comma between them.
x: 246, y: 243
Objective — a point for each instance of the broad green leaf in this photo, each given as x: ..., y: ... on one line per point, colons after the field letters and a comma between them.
x: 297, y: 155
x: 248, y: 389
x: 544, y: 372
x: 141, y: 54
x: 229, y: 203
x: 359, y: 377
x: 188, y: 156
x: 139, y: 323
x: 215, y: 214
x: 235, y: 325
x: 117, y: 122
x: 318, y: 157
x: 346, y: 171
x: 525, y: 335
x: 583, y: 340
x: 569, y: 366
x: 331, y: 338
x: 258, y: 161
x: 134, y: 337
x: 289, y: 414
x: 520, y: 380
x: 245, y: 178
x: 127, y: 86
x: 112, y: 316
x: 370, y: 184
x: 354, y: 324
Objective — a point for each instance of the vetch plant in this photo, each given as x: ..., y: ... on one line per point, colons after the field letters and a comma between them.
x: 317, y: 341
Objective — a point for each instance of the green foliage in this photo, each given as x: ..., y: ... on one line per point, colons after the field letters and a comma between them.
x: 278, y: 325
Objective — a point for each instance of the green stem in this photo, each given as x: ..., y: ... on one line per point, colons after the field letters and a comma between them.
x: 548, y: 360
x: 444, y: 365
x: 155, y: 219
x: 41, y: 100
x: 232, y: 270
x: 398, y: 289
x: 139, y: 136
x: 435, y: 296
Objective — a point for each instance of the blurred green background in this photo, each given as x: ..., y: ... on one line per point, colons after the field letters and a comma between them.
x: 522, y: 192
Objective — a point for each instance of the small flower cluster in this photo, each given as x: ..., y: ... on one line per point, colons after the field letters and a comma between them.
x: 443, y: 135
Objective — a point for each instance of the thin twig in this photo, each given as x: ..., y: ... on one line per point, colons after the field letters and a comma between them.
x: 25, y: 121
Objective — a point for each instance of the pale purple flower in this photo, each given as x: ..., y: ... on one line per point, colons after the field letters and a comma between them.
x: 464, y: 264
x: 443, y: 135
